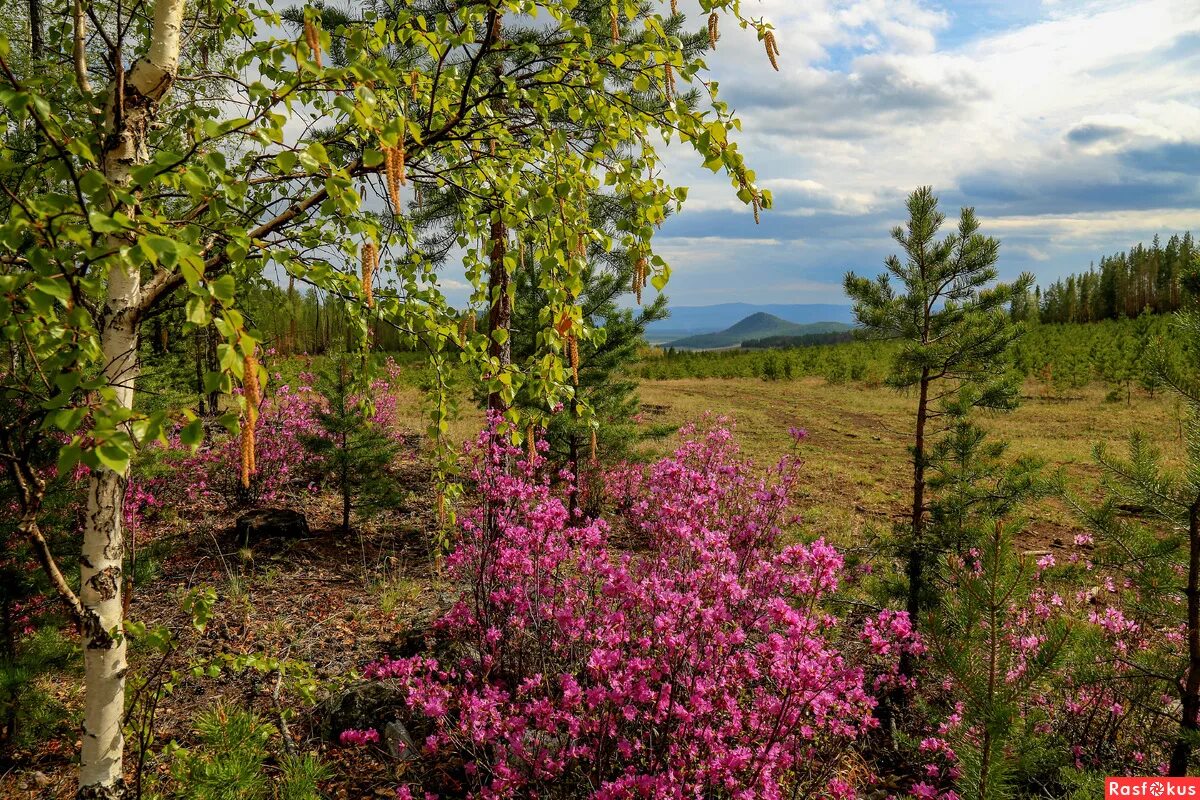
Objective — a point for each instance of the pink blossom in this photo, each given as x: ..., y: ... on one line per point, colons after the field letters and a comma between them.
x: 359, y: 738
x: 699, y: 664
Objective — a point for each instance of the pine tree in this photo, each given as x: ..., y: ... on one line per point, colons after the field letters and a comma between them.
x: 609, y: 277
x: 1159, y: 548
x: 983, y: 612
x: 355, y: 453
x: 970, y: 484
x: 955, y: 330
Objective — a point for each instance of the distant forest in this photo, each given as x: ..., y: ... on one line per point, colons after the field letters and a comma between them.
x: 1154, y: 278
x: 1157, y: 278
x: 803, y: 340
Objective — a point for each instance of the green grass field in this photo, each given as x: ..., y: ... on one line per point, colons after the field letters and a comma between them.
x: 856, y: 453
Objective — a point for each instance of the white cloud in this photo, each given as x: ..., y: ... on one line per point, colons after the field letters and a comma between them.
x: 868, y: 105
x: 1083, y: 227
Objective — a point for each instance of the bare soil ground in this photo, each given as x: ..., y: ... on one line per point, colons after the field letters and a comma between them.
x: 334, y: 602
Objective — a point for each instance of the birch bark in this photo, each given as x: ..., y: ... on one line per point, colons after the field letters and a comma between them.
x: 131, y: 108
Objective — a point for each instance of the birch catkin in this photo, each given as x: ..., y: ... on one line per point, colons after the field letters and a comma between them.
x: 394, y: 167
x: 614, y: 25
x: 713, y: 33
x: 370, y: 262
x: 772, y: 49
x: 593, y: 445
x: 574, y: 348
x: 641, y: 271
x: 252, y: 394
x: 312, y: 37
x: 466, y: 326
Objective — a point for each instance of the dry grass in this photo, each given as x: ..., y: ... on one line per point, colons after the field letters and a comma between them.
x: 857, y: 454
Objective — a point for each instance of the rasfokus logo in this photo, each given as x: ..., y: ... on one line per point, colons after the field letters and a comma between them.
x: 1151, y: 787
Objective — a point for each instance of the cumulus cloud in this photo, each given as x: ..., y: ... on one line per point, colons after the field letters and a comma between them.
x: 1058, y: 122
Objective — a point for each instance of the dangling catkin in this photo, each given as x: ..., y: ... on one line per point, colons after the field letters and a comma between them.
x: 574, y: 345
x: 389, y: 170
x: 713, y: 33
x: 466, y: 325
x: 593, y: 445
x: 394, y: 167
x: 668, y: 80
x: 312, y: 37
x: 614, y: 25
x: 640, y: 271
x: 401, y: 172
x: 757, y: 205
x: 370, y: 260
x: 247, y: 454
x: 531, y: 441
x: 674, y: 6
x: 441, y: 507
x: 772, y: 49
x: 252, y: 395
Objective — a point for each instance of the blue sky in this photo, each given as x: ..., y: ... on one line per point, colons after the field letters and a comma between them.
x: 1073, y: 128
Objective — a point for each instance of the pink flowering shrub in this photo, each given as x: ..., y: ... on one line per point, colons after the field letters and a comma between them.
x: 289, y: 418
x: 703, y: 665
x: 183, y: 478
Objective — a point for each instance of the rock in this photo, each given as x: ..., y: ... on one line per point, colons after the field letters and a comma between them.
x: 362, y: 705
x: 399, y: 742
x: 373, y: 704
x: 270, y: 523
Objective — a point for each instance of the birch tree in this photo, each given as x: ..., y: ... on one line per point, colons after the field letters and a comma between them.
x: 176, y: 152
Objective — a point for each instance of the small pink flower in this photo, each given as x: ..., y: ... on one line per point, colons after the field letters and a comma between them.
x: 359, y: 738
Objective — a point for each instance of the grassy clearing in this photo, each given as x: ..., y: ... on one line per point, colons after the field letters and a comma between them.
x: 859, y: 433
x: 858, y: 437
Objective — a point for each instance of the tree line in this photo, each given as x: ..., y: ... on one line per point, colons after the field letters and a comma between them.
x: 1151, y: 278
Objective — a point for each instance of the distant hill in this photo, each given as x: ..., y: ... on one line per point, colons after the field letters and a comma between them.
x: 759, y: 325
x: 688, y: 321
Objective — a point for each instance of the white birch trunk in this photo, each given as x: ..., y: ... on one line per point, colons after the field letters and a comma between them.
x: 101, y: 770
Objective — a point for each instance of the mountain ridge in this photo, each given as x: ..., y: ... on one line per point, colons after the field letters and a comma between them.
x: 758, y: 325
x: 688, y: 321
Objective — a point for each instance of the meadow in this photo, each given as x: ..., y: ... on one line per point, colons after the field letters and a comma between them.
x: 855, y: 455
